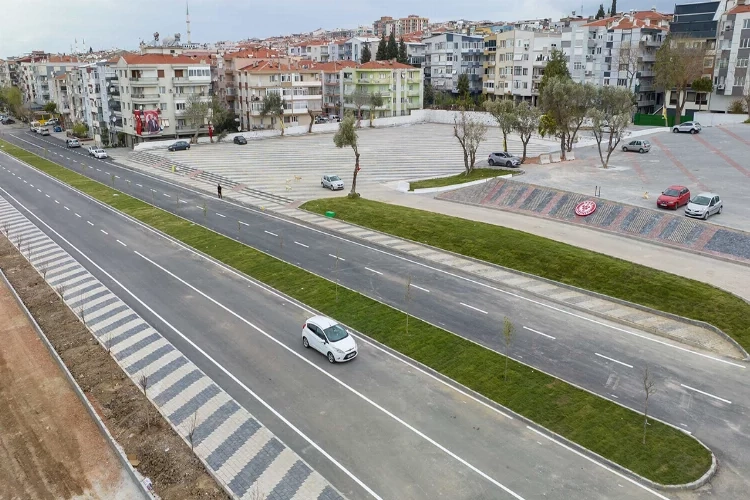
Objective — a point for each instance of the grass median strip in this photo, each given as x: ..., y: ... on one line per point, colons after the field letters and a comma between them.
x: 475, y: 175
x: 551, y: 259
x: 668, y: 457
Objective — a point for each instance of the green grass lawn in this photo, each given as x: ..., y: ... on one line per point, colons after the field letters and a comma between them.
x: 475, y: 175
x: 668, y: 457
x: 553, y: 260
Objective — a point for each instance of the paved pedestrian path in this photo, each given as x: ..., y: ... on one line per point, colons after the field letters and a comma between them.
x: 241, y: 454
x: 660, y: 226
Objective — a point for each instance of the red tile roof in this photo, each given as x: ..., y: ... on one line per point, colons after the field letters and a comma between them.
x: 60, y: 59
x: 162, y: 59
x: 334, y: 66
x: 740, y: 9
x: 638, y: 20
x: 391, y: 64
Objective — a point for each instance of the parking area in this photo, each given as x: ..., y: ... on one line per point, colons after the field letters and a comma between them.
x: 716, y: 160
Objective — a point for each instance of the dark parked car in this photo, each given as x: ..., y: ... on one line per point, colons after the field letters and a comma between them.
x: 179, y: 146
x: 9, y: 121
x: 240, y: 139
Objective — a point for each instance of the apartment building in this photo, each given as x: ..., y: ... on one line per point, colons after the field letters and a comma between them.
x: 618, y: 50
x: 695, y: 23
x: 299, y: 84
x: 449, y: 55
x: 352, y: 48
x: 4, y: 73
x: 228, y: 67
x: 38, y: 74
x: 330, y: 76
x: 399, y: 84
x: 313, y: 50
x: 402, y: 26
x: 415, y: 49
x: 154, y: 90
x: 731, y: 78
x: 10, y: 70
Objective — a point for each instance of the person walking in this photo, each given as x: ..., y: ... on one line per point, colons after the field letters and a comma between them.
x: 219, y: 190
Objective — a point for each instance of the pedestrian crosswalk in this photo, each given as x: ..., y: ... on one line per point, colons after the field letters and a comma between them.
x: 240, y: 453
x: 279, y: 170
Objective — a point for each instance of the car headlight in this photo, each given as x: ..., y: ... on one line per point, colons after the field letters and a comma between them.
x: 338, y: 350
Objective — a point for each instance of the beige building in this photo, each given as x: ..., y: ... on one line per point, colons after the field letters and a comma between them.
x: 400, y: 85
x: 154, y: 89
x: 227, y: 72
x: 410, y: 24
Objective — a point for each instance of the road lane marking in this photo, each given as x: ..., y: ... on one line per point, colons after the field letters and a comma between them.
x: 57, y: 202
x: 90, y: 223
x: 472, y: 307
x: 77, y: 215
x: 420, y: 288
x: 39, y: 190
x: 198, y: 206
x: 269, y: 232
x: 105, y: 232
x: 539, y: 333
x: 335, y: 379
x: 301, y: 244
x: 598, y: 463
x: 139, y: 185
x: 220, y: 215
x: 31, y: 185
x: 243, y: 223
x: 165, y: 194
x: 706, y: 394
x: 66, y: 208
x: 121, y: 243
x: 336, y: 257
x: 98, y: 170
x: 614, y: 360
x: 183, y: 201
x: 374, y: 271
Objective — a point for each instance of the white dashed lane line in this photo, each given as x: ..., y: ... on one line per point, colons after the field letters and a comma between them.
x: 165, y: 194
x: 57, y: 202
x: 301, y: 244
x: 121, y: 243
x: 243, y: 223
x: 105, y: 232
x: 90, y: 223
x: 269, y: 232
x: 706, y: 394
x: 420, y: 288
x: 139, y: 185
x: 220, y: 215
x: 336, y: 257
x: 474, y: 308
x: 374, y: 271
x: 613, y: 360
x: 78, y: 215
x: 539, y: 333
x: 66, y: 208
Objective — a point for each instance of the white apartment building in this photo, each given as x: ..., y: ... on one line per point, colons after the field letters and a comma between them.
x: 38, y: 73
x: 449, y: 55
x: 312, y: 50
x: 158, y: 86
x: 402, y: 26
x: 509, y: 62
x: 731, y: 77
x: 352, y: 49
x: 330, y: 76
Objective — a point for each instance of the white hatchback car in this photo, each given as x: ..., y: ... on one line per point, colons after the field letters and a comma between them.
x: 332, y: 182
x: 100, y: 154
x: 330, y: 338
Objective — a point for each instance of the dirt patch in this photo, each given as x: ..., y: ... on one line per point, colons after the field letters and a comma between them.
x: 138, y: 427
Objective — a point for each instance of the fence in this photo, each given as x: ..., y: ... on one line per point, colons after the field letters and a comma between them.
x: 657, y: 120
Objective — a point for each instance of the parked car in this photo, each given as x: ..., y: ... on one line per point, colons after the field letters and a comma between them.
x: 58, y: 128
x: 637, y: 145
x: 240, y: 139
x: 692, y: 127
x: 673, y: 197
x: 8, y: 121
x: 332, y: 182
x: 100, y: 154
x: 51, y: 123
x: 329, y: 338
x: 72, y: 143
x: 504, y: 158
x: 179, y: 146
x: 704, y: 205
x: 334, y: 118
x: 91, y: 150
x: 320, y: 119
x: 44, y: 131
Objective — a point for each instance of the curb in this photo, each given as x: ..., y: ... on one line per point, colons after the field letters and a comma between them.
x: 76, y: 388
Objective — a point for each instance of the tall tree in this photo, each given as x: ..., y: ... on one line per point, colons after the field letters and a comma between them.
x: 556, y: 100
x: 197, y: 112
x: 347, y: 136
x: 628, y: 56
x: 557, y: 67
x: 382, y: 53
x: 391, y: 51
x: 600, y: 14
x: 50, y: 107
x: 463, y: 87
x: 613, y: 9
x: 582, y: 99
x: 504, y: 113
x: 527, y: 122
x: 222, y: 119
x: 376, y: 101
x: 366, y: 54
x: 678, y: 64
x: 703, y: 85
x: 470, y: 133
x: 403, y: 56
x: 273, y: 106
x: 610, y: 116
x: 429, y: 94
x: 12, y: 99
x: 359, y: 98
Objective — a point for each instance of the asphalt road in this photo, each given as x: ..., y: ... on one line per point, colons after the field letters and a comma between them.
x: 603, y: 358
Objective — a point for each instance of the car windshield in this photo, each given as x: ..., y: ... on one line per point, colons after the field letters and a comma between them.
x: 702, y: 200
x: 336, y: 333
x: 334, y: 178
x: 671, y: 192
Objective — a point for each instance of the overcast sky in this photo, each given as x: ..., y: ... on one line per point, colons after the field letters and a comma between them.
x: 53, y: 25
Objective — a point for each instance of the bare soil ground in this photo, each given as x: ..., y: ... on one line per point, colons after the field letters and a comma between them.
x: 49, y: 446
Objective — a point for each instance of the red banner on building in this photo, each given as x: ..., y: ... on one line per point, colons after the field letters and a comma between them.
x: 147, y: 122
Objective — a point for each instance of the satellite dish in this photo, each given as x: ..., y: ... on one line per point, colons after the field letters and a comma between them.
x: 177, y: 37
x: 156, y: 36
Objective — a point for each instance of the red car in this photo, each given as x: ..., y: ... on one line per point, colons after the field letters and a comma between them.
x: 673, y: 197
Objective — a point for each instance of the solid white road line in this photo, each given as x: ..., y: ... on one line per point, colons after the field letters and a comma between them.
x: 335, y: 379
x: 269, y: 232
x: 105, y: 232
x: 539, y: 333
x: 90, y: 223
x: 420, y: 288
x: 706, y: 393
x: 336, y: 257
x: 121, y: 243
x: 472, y: 307
x: 301, y: 244
x: 374, y: 271
x: 600, y: 464
x: 614, y: 360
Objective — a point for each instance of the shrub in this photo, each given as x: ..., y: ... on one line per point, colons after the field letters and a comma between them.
x: 736, y: 107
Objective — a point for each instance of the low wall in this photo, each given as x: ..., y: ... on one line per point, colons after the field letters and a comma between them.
x: 716, y: 119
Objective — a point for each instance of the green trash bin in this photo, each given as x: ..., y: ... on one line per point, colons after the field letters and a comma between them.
x: 330, y: 214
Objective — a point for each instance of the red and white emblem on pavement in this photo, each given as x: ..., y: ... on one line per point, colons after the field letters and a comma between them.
x: 585, y: 208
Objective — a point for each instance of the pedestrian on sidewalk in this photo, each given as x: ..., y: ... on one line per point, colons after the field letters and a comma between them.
x: 219, y: 189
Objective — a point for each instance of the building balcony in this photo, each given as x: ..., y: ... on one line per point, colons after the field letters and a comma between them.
x: 144, y: 98
x: 145, y: 81
x: 651, y: 42
x: 412, y: 93
x: 181, y: 80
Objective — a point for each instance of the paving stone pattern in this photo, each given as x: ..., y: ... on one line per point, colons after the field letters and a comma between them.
x: 243, y: 455
x: 667, y: 227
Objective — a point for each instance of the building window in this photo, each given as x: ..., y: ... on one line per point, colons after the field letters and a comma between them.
x: 525, y: 71
x: 739, y: 81
x: 745, y: 43
x: 708, y: 62
x: 622, y: 82
x: 163, y: 106
x: 179, y: 106
x: 160, y: 73
x: 162, y: 90
x: 742, y: 63
x: 577, y: 65
x: 746, y: 24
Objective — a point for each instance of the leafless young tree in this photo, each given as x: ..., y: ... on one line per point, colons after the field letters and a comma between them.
x: 509, y: 331
x: 143, y: 383
x: 359, y: 98
x: 44, y: 269
x: 679, y: 62
x: 408, y: 300
x: 470, y: 133
x: 191, y: 430
x: 61, y: 289
x: 649, y: 388
x: 627, y: 60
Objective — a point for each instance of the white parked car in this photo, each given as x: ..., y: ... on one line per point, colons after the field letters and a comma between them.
x: 329, y: 338
x: 692, y: 127
x: 100, y: 153
x: 91, y: 150
x: 72, y: 143
x: 704, y: 205
x: 332, y: 182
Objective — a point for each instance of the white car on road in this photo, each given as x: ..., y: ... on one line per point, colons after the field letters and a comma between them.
x: 332, y: 182
x: 329, y: 338
x: 99, y: 153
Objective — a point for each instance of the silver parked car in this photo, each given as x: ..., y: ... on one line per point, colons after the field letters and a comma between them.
x: 505, y: 159
x: 332, y: 182
x: 637, y: 145
x: 692, y: 127
x: 704, y: 205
